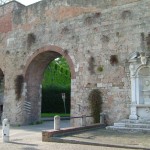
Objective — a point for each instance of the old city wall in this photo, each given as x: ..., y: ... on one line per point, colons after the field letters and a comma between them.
x: 87, y: 32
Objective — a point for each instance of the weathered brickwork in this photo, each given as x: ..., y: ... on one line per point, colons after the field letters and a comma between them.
x: 6, y: 24
x: 88, y: 34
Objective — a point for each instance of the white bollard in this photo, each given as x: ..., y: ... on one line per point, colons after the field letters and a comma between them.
x: 5, y: 130
x: 57, y: 123
x: 83, y: 121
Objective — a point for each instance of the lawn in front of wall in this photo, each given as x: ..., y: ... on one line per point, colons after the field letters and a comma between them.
x: 54, y: 114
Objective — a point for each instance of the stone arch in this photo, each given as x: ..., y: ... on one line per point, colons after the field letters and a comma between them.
x: 33, y: 75
x: 140, y: 69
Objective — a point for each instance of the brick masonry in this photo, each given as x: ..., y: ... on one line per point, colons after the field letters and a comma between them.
x: 52, y: 135
x: 81, y: 31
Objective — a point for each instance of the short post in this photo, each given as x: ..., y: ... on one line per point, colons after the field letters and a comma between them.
x: 5, y: 130
x: 83, y: 121
x: 57, y: 123
x: 64, y: 101
x: 102, y: 117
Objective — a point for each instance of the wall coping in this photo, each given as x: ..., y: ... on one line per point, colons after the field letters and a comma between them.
x: 103, y: 4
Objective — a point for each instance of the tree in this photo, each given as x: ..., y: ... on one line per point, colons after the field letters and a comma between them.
x: 57, y: 73
x: 2, y: 2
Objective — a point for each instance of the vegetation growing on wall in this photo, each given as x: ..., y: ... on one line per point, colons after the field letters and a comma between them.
x: 91, y: 64
x: 65, y: 51
x: 100, y: 68
x: 95, y: 101
x: 91, y: 18
x: 31, y: 39
x: 113, y: 60
x: 65, y: 30
x: 126, y: 14
x: 19, y: 86
x: 105, y: 39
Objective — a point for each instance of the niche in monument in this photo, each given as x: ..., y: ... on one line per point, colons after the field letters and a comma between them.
x: 144, y: 85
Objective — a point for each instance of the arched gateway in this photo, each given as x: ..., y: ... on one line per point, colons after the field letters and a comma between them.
x: 33, y: 75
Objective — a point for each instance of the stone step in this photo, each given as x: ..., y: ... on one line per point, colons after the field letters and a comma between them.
x: 132, y: 125
x: 129, y: 121
x: 128, y: 129
x: 128, y: 125
x: 119, y: 124
x: 138, y: 125
x: 135, y: 121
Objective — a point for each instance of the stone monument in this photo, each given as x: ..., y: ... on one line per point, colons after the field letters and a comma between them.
x: 140, y: 87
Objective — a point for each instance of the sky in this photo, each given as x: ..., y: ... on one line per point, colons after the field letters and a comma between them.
x: 27, y: 2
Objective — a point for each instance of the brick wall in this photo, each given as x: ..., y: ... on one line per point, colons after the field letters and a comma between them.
x: 90, y: 32
x: 6, y: 23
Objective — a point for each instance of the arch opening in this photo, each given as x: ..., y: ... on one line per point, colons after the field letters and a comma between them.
x: 56, y: 83
x: 33, y: 81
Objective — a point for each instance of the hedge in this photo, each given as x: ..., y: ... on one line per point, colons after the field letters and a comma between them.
x: 52, y: 99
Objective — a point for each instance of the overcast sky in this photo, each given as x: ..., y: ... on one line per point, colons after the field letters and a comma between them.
x: 27, y: 2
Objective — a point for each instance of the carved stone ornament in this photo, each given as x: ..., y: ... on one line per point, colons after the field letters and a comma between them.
x: 143, y: 58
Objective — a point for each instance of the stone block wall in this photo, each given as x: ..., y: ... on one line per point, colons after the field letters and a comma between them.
x: 91, y: 32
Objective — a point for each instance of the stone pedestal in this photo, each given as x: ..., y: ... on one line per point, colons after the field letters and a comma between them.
x: 133, y: 115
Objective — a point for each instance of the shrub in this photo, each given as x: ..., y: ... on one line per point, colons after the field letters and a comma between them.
x: 100, y: 68
x: 31, y: 38
x: 113, y: 60
x: 52, y: 99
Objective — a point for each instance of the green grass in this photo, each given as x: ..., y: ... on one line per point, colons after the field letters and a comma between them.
x: 37, y: 122
x: 54, y: 114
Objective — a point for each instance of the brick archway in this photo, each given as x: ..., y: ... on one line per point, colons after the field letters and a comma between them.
x: 49, y: 49
x: 33, y: 75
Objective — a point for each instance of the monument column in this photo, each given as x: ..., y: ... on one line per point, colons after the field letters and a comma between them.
x: 133, y: 113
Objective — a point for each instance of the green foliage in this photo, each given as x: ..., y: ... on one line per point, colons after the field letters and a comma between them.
x: 95, y: 101
x: 100, y: 68
x: 57, y: 74
x: 36, y: 123
x: 54, y: 114
x: 56, y: 81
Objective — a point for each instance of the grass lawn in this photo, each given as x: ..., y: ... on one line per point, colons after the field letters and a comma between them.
x: 54, y: 114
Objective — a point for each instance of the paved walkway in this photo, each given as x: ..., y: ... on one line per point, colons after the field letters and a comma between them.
x: 30, y: 138
x: 114, y: 139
